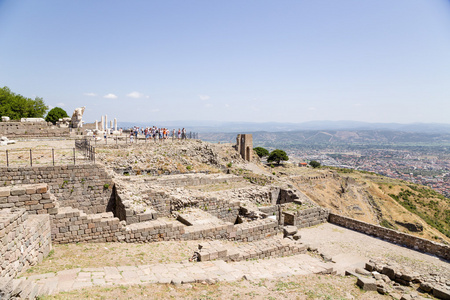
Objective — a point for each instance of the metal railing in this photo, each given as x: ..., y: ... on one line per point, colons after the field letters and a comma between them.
x: 85, y: 147
x: 40, y: 157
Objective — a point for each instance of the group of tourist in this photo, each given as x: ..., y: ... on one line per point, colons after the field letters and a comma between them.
x: 156, y: 133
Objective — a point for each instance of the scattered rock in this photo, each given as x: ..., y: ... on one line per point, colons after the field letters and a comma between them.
x: 297, y: 236
x: 289, y: 230
x: 363, y: 272
x: 367, y: 284
x: 441, y: 292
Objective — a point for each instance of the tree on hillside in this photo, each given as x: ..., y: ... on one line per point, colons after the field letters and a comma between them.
x: 17, y: 106
x: 55, y: 114
x: 277, y: 156
x: 314, y: 164
x: 260, y: 151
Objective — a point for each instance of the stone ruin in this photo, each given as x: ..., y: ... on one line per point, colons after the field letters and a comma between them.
x: 244, y: 145
x: 85, y: 203
x: 63, y: 122
x: 77, y: 117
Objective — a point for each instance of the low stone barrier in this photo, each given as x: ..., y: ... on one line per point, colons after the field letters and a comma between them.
x: 392, y: 236
x: 153, y: 231
x: 221, y: 231
x: 275, y: 247
x: 35, y: 198
x: 255, y: 230
x: 32, y: 129
x: 25, y: 240
x: 71, y: 225
x: 306, y: 217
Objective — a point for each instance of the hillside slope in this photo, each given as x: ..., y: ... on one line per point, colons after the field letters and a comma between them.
x: 376, y: 199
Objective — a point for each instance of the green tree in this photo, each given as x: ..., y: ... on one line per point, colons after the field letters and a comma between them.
x: 55, y: 114
x: 260, y: 151
x: 277, y: 156
x: 17, y: 106
x: 314, y: 164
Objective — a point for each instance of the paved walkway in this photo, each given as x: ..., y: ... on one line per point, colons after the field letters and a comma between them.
x: 178, y: 273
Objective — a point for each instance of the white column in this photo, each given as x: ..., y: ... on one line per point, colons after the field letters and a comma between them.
x: 111, y: 124
x: 96, y: 125
x: 103, y: 123
x: 115, y: 124
x: 106, y: 122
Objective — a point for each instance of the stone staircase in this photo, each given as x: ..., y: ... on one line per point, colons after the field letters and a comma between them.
x: 21, y: 288
x: 273, y: 247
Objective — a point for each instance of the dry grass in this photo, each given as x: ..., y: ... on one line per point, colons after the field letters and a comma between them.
x: 298, y: 287
x: 96, y: 255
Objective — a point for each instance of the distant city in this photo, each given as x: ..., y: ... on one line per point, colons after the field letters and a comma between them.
x: 418, y: 157
x: 429, y: 166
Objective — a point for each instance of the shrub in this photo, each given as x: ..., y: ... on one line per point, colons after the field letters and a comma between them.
x: 314, y: 164
x: 261, y: 152
x: 55, y: 114
x: 277, y: 156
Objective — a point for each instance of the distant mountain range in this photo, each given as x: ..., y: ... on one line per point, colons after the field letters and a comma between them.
x: 249, y: 127
x: 334, y: 137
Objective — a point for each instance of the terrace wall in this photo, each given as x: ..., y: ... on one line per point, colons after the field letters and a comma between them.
x: 87, y: 187
x: 31, y: 129
x: 392, y: 236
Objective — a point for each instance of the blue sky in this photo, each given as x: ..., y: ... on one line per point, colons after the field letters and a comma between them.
x: 258, y: 61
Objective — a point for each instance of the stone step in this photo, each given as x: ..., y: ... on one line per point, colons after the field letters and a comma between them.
x: 274, y: 247
x: 23, y: 289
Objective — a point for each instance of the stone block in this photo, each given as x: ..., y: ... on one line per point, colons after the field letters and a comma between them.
x: 30, y: 190
x: 389, y: 272
x: 367, y: 284
x: 17, y: 191
x: 35, y: 197
x: 289, y: 230
x: 41, y: 189
x: 441, y: 292
x: 5, y: 192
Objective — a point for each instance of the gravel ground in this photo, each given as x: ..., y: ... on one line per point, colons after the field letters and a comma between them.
x: 334, y: 240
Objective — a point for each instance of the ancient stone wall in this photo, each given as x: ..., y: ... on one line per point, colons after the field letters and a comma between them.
x: 392, y: 236
x: 306, y: 217
x: 161, y: 204
x: 31, y: 129
x: 35, y: 198
x: 71, y: 225
x: 25, y: 240
x: 222, y: 209
x: 87, y: 187
x: 193, y: 179
x: 255, y: 230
